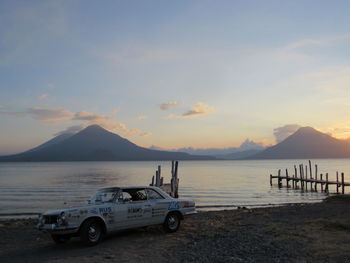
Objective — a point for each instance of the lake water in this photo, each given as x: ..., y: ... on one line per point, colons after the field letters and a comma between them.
x: 35, y: 187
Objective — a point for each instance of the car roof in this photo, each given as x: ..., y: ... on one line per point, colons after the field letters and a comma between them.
x: 126, y: 187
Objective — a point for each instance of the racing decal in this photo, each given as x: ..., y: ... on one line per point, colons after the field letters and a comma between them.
x: 105, y: 211
x: 174, y: 205
x: 134, y: 212
x: 158, y: 211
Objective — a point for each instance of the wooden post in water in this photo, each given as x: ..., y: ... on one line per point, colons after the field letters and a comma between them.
x: 301, y: 176
x: 326, y: 188
x: 279, y: 178
x: 316, y: 177
x: 287, y: 179
x: 295, y: 182
x: 321, y: 182
x: 270, y: 179
x: 342, y: 183
x: 337, y: 183
x: 306, y: 177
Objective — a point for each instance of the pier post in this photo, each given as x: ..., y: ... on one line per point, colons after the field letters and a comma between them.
x: 279, y: 178
x: 316, y: 177
x: 337, y: 183
x: 301, y: 176
x: 306, y: 177
x: 270, y: 179
x: 287, y: 179
x: 295, y: 181
x: 342, y: 183
x: 326, y: 188
x: 321, y: 182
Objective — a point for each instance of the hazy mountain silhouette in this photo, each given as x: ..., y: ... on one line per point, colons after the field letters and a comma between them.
x: 306, y: 143
x: 96, y: 144
x: 53, y: 141
x: 238, y: 155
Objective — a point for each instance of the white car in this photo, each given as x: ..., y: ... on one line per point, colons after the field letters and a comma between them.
x: 113, y: 209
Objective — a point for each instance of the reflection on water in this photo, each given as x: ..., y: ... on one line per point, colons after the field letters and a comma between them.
x: 34, y: 187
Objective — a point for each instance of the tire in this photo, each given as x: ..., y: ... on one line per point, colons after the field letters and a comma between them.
x: 91, y: 232
x: 60, y: 239
x: 172, y: 222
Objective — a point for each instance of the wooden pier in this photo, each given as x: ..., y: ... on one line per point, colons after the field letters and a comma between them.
x: 173, y: 188
x: 309, y: 180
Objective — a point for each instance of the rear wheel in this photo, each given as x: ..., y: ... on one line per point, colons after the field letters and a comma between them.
x: 91, y: 232
x: 172, y: 222
x: 60, y: 239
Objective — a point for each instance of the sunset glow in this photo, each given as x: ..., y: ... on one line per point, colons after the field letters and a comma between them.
x: 200, y: 74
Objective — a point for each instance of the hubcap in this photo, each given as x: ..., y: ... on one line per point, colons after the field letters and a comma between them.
x: 173, y: 222
x: 94, y: 233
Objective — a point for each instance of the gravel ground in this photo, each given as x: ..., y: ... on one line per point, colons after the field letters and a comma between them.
x: 295, y: 233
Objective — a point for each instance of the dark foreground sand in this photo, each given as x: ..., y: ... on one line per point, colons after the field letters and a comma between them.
x: 295, y: 233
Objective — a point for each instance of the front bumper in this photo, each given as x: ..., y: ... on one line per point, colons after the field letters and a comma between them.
x: 57, y: 229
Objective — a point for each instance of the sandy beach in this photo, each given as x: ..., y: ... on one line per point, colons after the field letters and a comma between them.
x: 295, y: 233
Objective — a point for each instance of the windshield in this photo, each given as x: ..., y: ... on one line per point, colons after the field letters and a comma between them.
x: 104, y: 196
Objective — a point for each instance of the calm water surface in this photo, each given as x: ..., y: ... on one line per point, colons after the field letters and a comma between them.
x: 34, y: 187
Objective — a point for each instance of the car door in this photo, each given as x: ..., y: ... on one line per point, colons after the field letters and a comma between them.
x: 159, y: 206
x: 134, y: 208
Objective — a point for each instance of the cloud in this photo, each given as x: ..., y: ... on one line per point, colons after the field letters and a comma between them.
x: 198, y: 109
x: 42, y: 96
x: 14, y: 114
x: 167, y: 105
x: 88, y: 118
x: 91, y: 117
x: 54, y: 114
x: 50, y: 86
x: 316, y: 42
x: 283, y: 132
x: 141, y: 117
x: 145, y: 134
x: 71, y: 130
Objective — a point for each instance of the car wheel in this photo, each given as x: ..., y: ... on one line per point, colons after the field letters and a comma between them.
x: 60, y: 239
x: 172, y: 222
x: 91, y: 232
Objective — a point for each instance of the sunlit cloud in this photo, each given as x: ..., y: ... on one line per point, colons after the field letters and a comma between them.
x: 57, y: 115
x: 54, y: 114
x: 283, y: 132
x: 71, y: 130
x: 316, y: 42
x: 198, y: 109
x: 167, y: 105
x: 42, y: 96
x: 141, y: 117
x: 145, y: 134
x: 91, y: 117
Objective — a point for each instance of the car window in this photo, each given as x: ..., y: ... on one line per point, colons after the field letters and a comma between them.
x: 134, y: 195
x: 153, y: 195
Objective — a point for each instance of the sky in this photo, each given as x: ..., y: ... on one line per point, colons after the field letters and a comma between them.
x: 173, y: 74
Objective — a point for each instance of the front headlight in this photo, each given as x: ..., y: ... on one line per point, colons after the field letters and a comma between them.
x: 41, y: 219
x: 61, y: 219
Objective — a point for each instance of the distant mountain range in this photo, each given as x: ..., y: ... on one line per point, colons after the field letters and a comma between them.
x: 306, y: 143
x: 95, y: 144
x: 245, y: 148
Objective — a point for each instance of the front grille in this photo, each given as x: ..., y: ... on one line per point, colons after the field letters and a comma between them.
x: 51, y: 219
